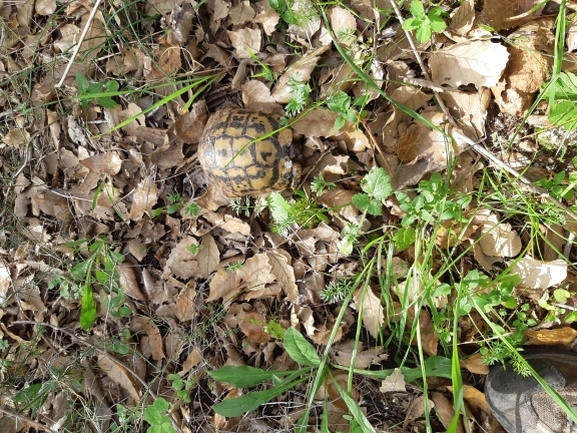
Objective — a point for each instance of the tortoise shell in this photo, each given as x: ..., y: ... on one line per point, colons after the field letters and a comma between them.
x: 239, y: 165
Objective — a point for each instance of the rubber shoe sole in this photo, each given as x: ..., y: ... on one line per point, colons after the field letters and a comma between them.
x: 521, y: 405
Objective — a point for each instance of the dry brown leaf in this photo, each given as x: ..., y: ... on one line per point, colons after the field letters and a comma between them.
x: 257, y: 272
x: 5, y: 282
x: 268, y: 18
x: 536, y: 274
x: 344, y: 25
x: 446, y: 410
x: 419, y: 142
x: 499, y: 13
x: 552, y: 337
x: 16, y: 137
x: 474, y: 397
x: 245, y: 41
x: 497, y: 239
x: 128, y: 281
x: 394, y: 382
x: 477, y: 62
x: 45, y: 7
x: 572, y: 36
x: 416, y: 409
x: 208, y: 257
x: 527, y: 69
x: 429, y: 337
x: 462, y: 18
x: 184, y: 308
x: 120, y: 375
x: 181, y: 262
x: 372, y: 310
x: 302, y: 68
x: 470, y: 109
x: 144, y: 198
x: 224, y: 284
x: 475, y: 364
x: 154, y: 338
x: 193, y: 359
x: 249, y: 321
x: 284, y: 273
x: 241, y: 13
x: 342, y: 354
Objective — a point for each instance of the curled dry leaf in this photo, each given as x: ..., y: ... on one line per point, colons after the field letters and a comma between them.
x: 445, y: 410
x: 498, y: 239
x: 536, y: 274
x: 552, y: 337
x: 120, y: 375
x: 284, y: 273
x: 372, y: 310
x: 527, y: 69
x: 153, y: 333
x: 128, y: 281
x: 475, y: 364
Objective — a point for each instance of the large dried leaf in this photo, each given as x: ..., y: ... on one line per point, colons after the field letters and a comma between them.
x: 536, y: 274
x: 284, y: 273
x: 120, y: 375
x: 143, y: 324
x: 372, y: 310
x: 478, y: 62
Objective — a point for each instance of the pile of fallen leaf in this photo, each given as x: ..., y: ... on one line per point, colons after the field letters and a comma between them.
x: 71, y: 176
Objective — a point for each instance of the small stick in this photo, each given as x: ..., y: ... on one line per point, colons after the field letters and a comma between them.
x: 79, y: 43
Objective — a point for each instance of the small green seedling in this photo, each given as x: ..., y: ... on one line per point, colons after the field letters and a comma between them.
x: 158, y: 420
x: 98, y: 269
x: 302, y: 212
x: 424, y: 23
x: 336, y: 291
x: 294, y: 12
x: 182, y: 387
x: 299, y: 95
x: 346, y: 108
x: 96, y: 92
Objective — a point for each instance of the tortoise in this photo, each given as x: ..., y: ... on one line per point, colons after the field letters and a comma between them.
x: 240, y: 166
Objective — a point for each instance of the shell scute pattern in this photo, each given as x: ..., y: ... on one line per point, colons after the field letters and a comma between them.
x: 239, y: 166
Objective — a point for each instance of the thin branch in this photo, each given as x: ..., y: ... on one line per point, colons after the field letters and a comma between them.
x: 26, y: 420
x: 79, y: 43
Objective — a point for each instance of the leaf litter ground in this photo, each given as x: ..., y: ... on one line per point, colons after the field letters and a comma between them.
x: 121, y: 268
